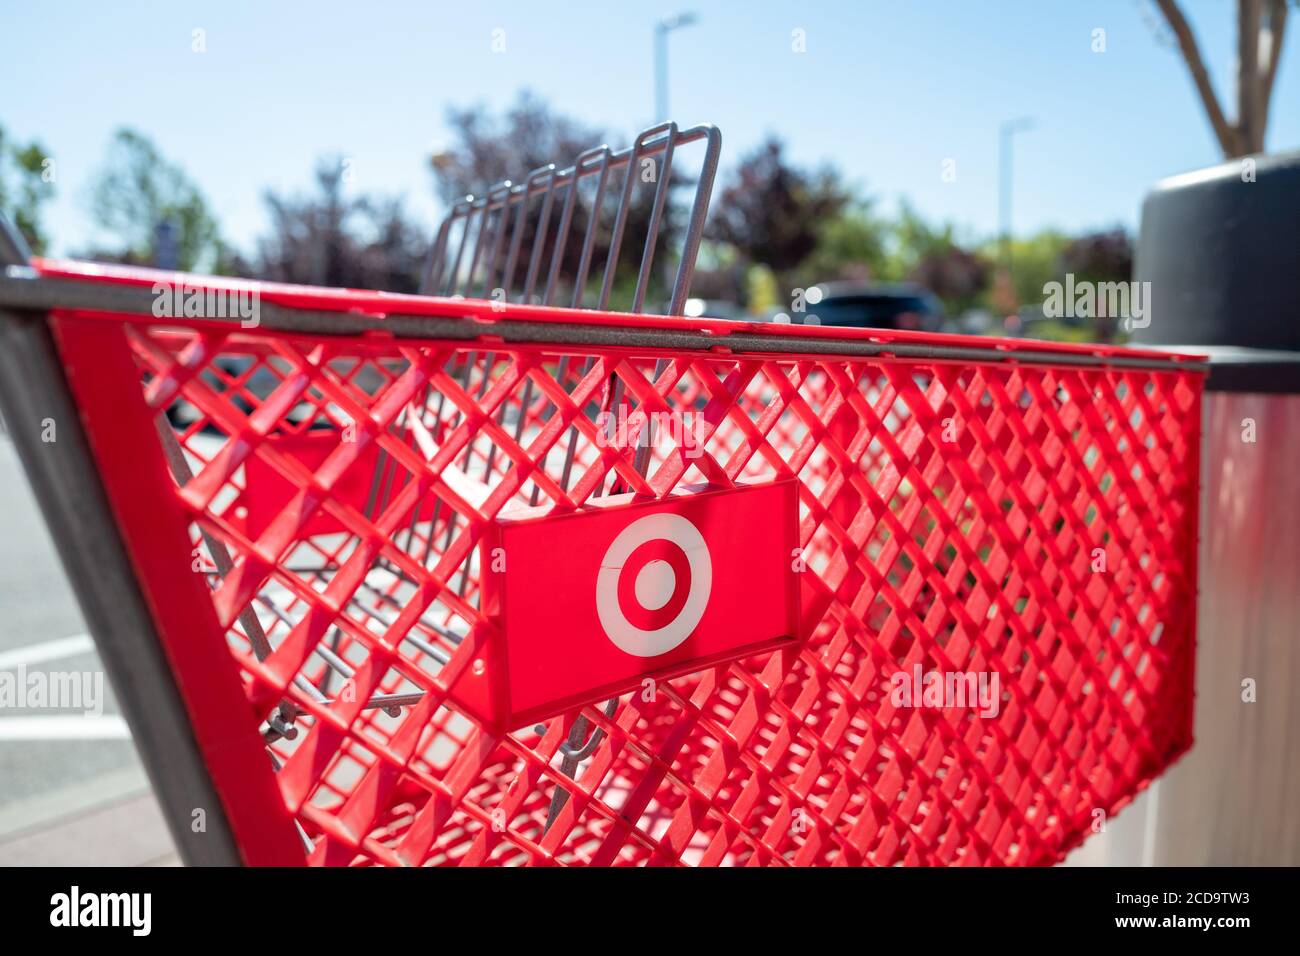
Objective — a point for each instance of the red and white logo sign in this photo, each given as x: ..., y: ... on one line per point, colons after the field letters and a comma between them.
x: 584, y: 606
x: 654, y: 584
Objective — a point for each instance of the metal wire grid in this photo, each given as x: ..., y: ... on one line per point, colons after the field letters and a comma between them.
x: 967, y: 555
x: 510, y: 243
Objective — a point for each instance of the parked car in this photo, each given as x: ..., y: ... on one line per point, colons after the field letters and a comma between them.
x: 712, y: 309
x: 871, y: 305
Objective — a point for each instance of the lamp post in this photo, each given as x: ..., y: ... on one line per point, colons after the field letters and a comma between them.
x: 1006, y: 131
x: 662, y: 29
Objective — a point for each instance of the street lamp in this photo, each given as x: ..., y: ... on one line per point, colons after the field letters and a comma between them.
x: 662, y: 29
x: 1007, y: 130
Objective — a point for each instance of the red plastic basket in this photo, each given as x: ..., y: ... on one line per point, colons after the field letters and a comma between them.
x: 370, y: 531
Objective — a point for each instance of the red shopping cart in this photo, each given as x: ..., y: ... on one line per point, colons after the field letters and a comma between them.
x: 475, y: 577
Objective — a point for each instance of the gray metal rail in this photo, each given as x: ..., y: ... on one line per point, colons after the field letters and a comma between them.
x: 21, y: 288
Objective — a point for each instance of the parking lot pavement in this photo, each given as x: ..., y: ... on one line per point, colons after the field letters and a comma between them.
x: 57, y: 763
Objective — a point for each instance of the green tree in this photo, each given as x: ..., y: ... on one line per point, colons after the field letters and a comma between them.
x: 484, y: 150
x: 1101, y: 257
x: 957, y: 276
x: 138, y: 191
x: 912, y: 239
x: 932, y: 256
x: 332, y: 239
x: 1035, y: 261
x: 26, y: 184
x: 773, y: 212
x: 850, y: 245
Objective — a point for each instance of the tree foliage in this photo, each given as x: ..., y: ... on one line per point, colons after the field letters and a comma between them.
x: 773, y: 212
x: 1105, y: 256
x: 26, y: 184
x: 851, y: 245
x: 485, y: 150
x: 329, y: 238
x: 956, y: 275
x: 137, y: 192
x: 1036, y: 261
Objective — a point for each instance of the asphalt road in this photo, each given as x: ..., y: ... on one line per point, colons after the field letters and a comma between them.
x: 54, y: 762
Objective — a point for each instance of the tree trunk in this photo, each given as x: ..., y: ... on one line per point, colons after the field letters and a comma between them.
x: 1260, y: 28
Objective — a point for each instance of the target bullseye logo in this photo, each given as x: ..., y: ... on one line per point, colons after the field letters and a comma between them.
x: 578, y: 607
x: 654, y: 584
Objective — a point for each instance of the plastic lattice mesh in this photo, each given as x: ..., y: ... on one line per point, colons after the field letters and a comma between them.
x: 1029, y: 522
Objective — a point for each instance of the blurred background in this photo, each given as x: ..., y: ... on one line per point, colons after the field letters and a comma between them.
x: 946, y: 158
x: 922, y: 164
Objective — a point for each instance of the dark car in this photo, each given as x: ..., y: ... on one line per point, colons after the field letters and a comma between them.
x: 869, y: 305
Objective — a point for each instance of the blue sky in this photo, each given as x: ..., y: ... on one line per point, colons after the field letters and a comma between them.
x: 885, y: 90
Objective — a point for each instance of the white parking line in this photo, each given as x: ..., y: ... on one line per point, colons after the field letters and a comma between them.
x: 52, y: 650
x: 65, y: 727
